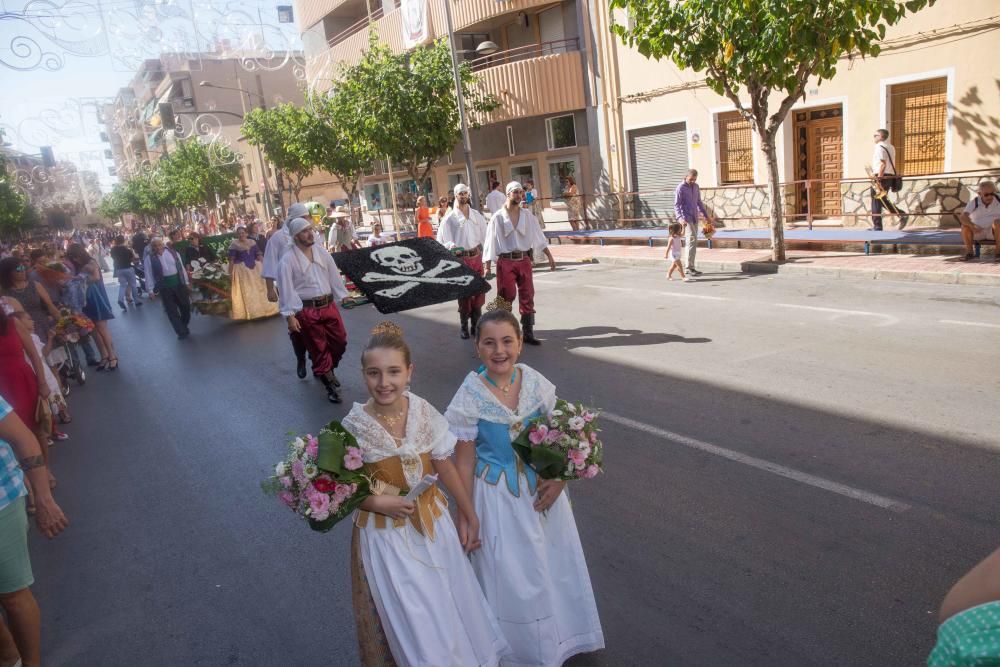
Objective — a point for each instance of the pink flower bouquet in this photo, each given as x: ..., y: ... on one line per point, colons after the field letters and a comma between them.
x: 563, y: 444
x: 319, y: 479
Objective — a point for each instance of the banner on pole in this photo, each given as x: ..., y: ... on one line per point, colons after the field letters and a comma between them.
x: 415, y: 28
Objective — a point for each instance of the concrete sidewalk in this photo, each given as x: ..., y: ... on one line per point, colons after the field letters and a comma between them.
x: 942, y: 269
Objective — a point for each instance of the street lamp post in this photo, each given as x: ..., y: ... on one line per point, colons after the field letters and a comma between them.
x: 484, y: 49
x: 268, y: 204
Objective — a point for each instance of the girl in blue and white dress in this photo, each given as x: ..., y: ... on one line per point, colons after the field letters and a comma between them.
x: 531, y: 564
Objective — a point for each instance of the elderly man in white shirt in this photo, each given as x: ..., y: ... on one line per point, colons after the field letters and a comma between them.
x: 512, y: 239
x: 167, y: 278
x: 463, y: 231
x: 884, y: 171
x: 309, y: 287
x: 981, y: 219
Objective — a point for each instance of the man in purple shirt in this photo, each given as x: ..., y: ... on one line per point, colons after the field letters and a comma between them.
x: 687, y: 203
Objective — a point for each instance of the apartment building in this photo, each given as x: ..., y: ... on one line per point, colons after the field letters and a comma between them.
x: 933, y: 87
x: 209, y: 94
x: 546, y: 126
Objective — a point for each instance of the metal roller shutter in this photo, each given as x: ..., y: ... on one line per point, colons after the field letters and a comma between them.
x: 659, y: 162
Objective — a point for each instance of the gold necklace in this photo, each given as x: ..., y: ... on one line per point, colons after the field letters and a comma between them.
x: 389, y: 420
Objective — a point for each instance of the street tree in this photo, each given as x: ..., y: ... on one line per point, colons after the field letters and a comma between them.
x: 333, y: 147
x: 405, y: 105
x: 16, y: 213
x: 769, y: 48
x: 282, y: 133
x: 195, y: 174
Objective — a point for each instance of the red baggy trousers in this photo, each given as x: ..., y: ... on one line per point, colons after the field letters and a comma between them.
x: 466, y: 306
x: 514, y: 281
x: 324, y: 335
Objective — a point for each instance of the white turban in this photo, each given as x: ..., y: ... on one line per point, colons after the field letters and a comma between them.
x: 513, y: 185
x: 460, y: 188
x: 297, y: 225
x: 296, y: 210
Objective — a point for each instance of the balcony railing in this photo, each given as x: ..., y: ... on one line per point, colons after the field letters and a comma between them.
x: 525, y: 53
x: 355, y: 28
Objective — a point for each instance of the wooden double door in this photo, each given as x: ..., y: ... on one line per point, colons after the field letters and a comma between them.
x: 819, y: 155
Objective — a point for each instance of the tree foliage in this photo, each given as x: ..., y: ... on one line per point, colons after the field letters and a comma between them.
x: 404, y: 105
x: 282, y: 132
x: 195, y: 173
x: 769, y: 48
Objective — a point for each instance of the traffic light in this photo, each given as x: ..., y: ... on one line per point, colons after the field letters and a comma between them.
x: 167, y: 120
x: 48, y: 158
x: 246, y: 192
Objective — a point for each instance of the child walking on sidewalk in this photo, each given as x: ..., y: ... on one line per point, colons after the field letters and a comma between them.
x: 674, y: 252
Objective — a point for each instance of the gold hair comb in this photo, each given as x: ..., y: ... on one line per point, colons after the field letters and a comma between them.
x: 500, y: 303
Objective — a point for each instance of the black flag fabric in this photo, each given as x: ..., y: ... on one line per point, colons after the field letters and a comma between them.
x: 409, y: 274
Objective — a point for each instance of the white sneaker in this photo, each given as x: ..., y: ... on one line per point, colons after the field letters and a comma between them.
x: 686, y: 279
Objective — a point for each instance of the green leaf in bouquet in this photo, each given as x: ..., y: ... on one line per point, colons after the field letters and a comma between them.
x: 548, y: 464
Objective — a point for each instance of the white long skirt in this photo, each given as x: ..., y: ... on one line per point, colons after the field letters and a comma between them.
x: 430, y: 604
x: 534, y: 575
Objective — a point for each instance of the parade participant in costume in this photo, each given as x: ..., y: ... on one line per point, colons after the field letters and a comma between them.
x: 512, y: 239
x: 248, y: 292
x: 308, y: 283
x: 531, y: 566
x: 278, y: 244
x: 165, y: 270
x: 463, y: 231
x: 413, y: 588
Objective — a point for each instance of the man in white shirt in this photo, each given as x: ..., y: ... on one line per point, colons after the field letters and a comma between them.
x: 167, y: 279
x: 463, y: 231
x: 495, y: 200
x: 277, y: 246
x: 512, y: 238
x: 981, y: 219
x: 309, y: 287
x: 884, y: 170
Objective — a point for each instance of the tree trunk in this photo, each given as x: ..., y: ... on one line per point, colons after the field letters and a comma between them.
x: 775, y: 196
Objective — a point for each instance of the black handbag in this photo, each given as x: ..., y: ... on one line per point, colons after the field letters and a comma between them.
x: 895, y: 181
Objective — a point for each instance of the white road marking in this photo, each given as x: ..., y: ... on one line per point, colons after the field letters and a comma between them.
x: 841, y: 312
x: 970, y: 324
x: 782, y: 471
x: 658, y: 293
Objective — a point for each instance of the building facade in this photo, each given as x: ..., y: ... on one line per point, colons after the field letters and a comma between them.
x: 930, y: 87
x: 546, y: 126
x: 209, y: 94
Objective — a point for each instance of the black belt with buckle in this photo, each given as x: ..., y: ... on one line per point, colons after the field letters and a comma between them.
x: 318, y: 302
x: 517, y: 254
x: 478, y: 250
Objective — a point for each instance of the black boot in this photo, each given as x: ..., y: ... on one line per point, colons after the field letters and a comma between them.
x: 332, y: 394
x: 476, y: 314
x: 300, y: 367
x: 528, y: 327
x: 465, y: 326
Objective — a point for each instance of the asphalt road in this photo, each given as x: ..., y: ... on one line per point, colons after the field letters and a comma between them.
x: 797, y: 471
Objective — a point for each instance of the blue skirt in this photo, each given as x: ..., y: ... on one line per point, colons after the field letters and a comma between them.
x: 98, y: 307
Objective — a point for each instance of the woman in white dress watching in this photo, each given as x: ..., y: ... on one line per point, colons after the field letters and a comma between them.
x: 531, y: 564
x: 416, y: 599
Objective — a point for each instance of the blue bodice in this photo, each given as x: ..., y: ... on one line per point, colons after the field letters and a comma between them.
x: 495, y: 457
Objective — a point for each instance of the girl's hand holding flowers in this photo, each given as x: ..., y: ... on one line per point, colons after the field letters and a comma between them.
x: 548, y: 493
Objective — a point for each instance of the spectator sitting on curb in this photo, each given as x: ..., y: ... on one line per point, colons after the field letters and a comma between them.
x: 981, y: 219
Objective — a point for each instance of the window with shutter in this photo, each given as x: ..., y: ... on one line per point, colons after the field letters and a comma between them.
x: 735, y: 148
x: 917, y: 126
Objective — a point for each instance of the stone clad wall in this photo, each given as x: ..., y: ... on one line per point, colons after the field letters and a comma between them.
x: 935, y: 196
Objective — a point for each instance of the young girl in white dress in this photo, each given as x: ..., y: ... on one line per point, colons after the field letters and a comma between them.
x: 416, y: 598
x: 531, y: 563
x: 674, y: 252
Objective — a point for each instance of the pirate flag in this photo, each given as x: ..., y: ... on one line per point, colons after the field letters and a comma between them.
x: 409, y: 274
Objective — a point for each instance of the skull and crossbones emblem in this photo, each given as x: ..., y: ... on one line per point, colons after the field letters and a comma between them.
x: 407, y: 269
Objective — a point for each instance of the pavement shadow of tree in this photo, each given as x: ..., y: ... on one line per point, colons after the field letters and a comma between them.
x: 597, y: 337
x: 975, y: 125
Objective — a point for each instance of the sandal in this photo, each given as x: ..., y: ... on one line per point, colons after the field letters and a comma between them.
x: 64, y: 418
x: 103, y: 366
x: 113, y: 364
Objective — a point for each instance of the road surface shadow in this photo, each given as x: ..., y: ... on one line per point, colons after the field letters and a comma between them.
x: 597, y: 337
